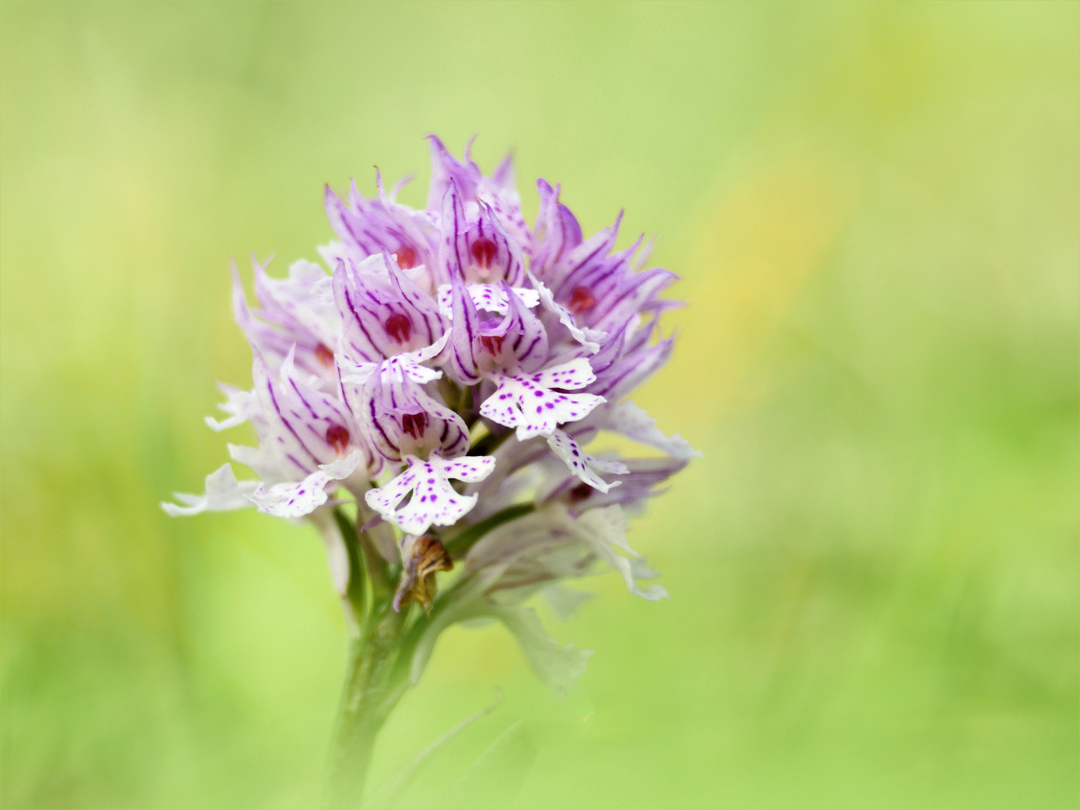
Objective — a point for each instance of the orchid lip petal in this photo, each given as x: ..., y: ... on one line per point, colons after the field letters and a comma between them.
x: 434, y: 500
x: 527, y: 402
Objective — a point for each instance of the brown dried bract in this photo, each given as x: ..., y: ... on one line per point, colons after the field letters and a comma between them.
x: 421, y: 556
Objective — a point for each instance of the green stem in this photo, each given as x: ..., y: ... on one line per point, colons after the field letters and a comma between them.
x: 370, y: 694
x: 370, y: 690
x: 380, y: 655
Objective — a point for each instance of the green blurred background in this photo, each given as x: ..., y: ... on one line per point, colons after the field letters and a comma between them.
x: 875, y: 209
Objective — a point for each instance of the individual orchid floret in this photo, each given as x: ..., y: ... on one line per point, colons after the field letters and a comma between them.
x: 307, y: 428
x: 475, y: 248
x: 481, y: 345
x: 310, y: 440
x: 370, y: 227
x: 404, y: 419
x: 602, y: 291
x: 383, y: 312
x: 516, y: 342
x: 296, y: 315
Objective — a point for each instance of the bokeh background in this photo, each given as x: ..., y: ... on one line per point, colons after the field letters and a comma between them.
x: 875, y: 209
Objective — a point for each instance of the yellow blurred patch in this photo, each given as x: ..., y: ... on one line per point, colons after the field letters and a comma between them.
x: 774, y: 220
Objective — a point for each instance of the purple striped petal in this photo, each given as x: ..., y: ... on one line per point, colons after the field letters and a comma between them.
x: 474, y: 246
x: 447, y: 170
x: 557, y: 230
x: 370, y: 227
x: 403, y: 418
x: 383, y: 312
x: 276, y: 329
x: 500, y: 192
x: 459, y: 355
x: 305, y: 427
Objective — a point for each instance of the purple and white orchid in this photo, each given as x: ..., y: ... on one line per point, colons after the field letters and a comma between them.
x: 444, y: 373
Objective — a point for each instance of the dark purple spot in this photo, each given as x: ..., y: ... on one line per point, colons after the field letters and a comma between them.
x: 324, y: 356
x: 414, y: 424
x: 406, y: 257
x: 483, y: 251
x: 493, y: 343
x: 398, y: 326
x: 579, y: 493
x: 581, y: 300
x: 337, y: 437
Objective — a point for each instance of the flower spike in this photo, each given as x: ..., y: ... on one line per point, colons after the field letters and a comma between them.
x: 464, y: 360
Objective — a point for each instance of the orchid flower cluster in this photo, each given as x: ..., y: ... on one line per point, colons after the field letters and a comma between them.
x: 446, y: 375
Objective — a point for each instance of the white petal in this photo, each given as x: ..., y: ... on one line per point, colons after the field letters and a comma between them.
x: 343, y: 467
x: 557, y: 665
x: 585, y: 466
x: 490, y: 297
x: 336, y: 553
x: 262, y: 459
x: 569, y: 376
x: 421, y: 355
x: 468, y: 468
x: 634, y: 423
x: 564, y: 601
x: 243, y: 405
x: 533, y: 409
x: 604, y: 528
x: 299, y: 499
x: 223, y: 492
x: 589, y: 338
x: 434, y: 500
